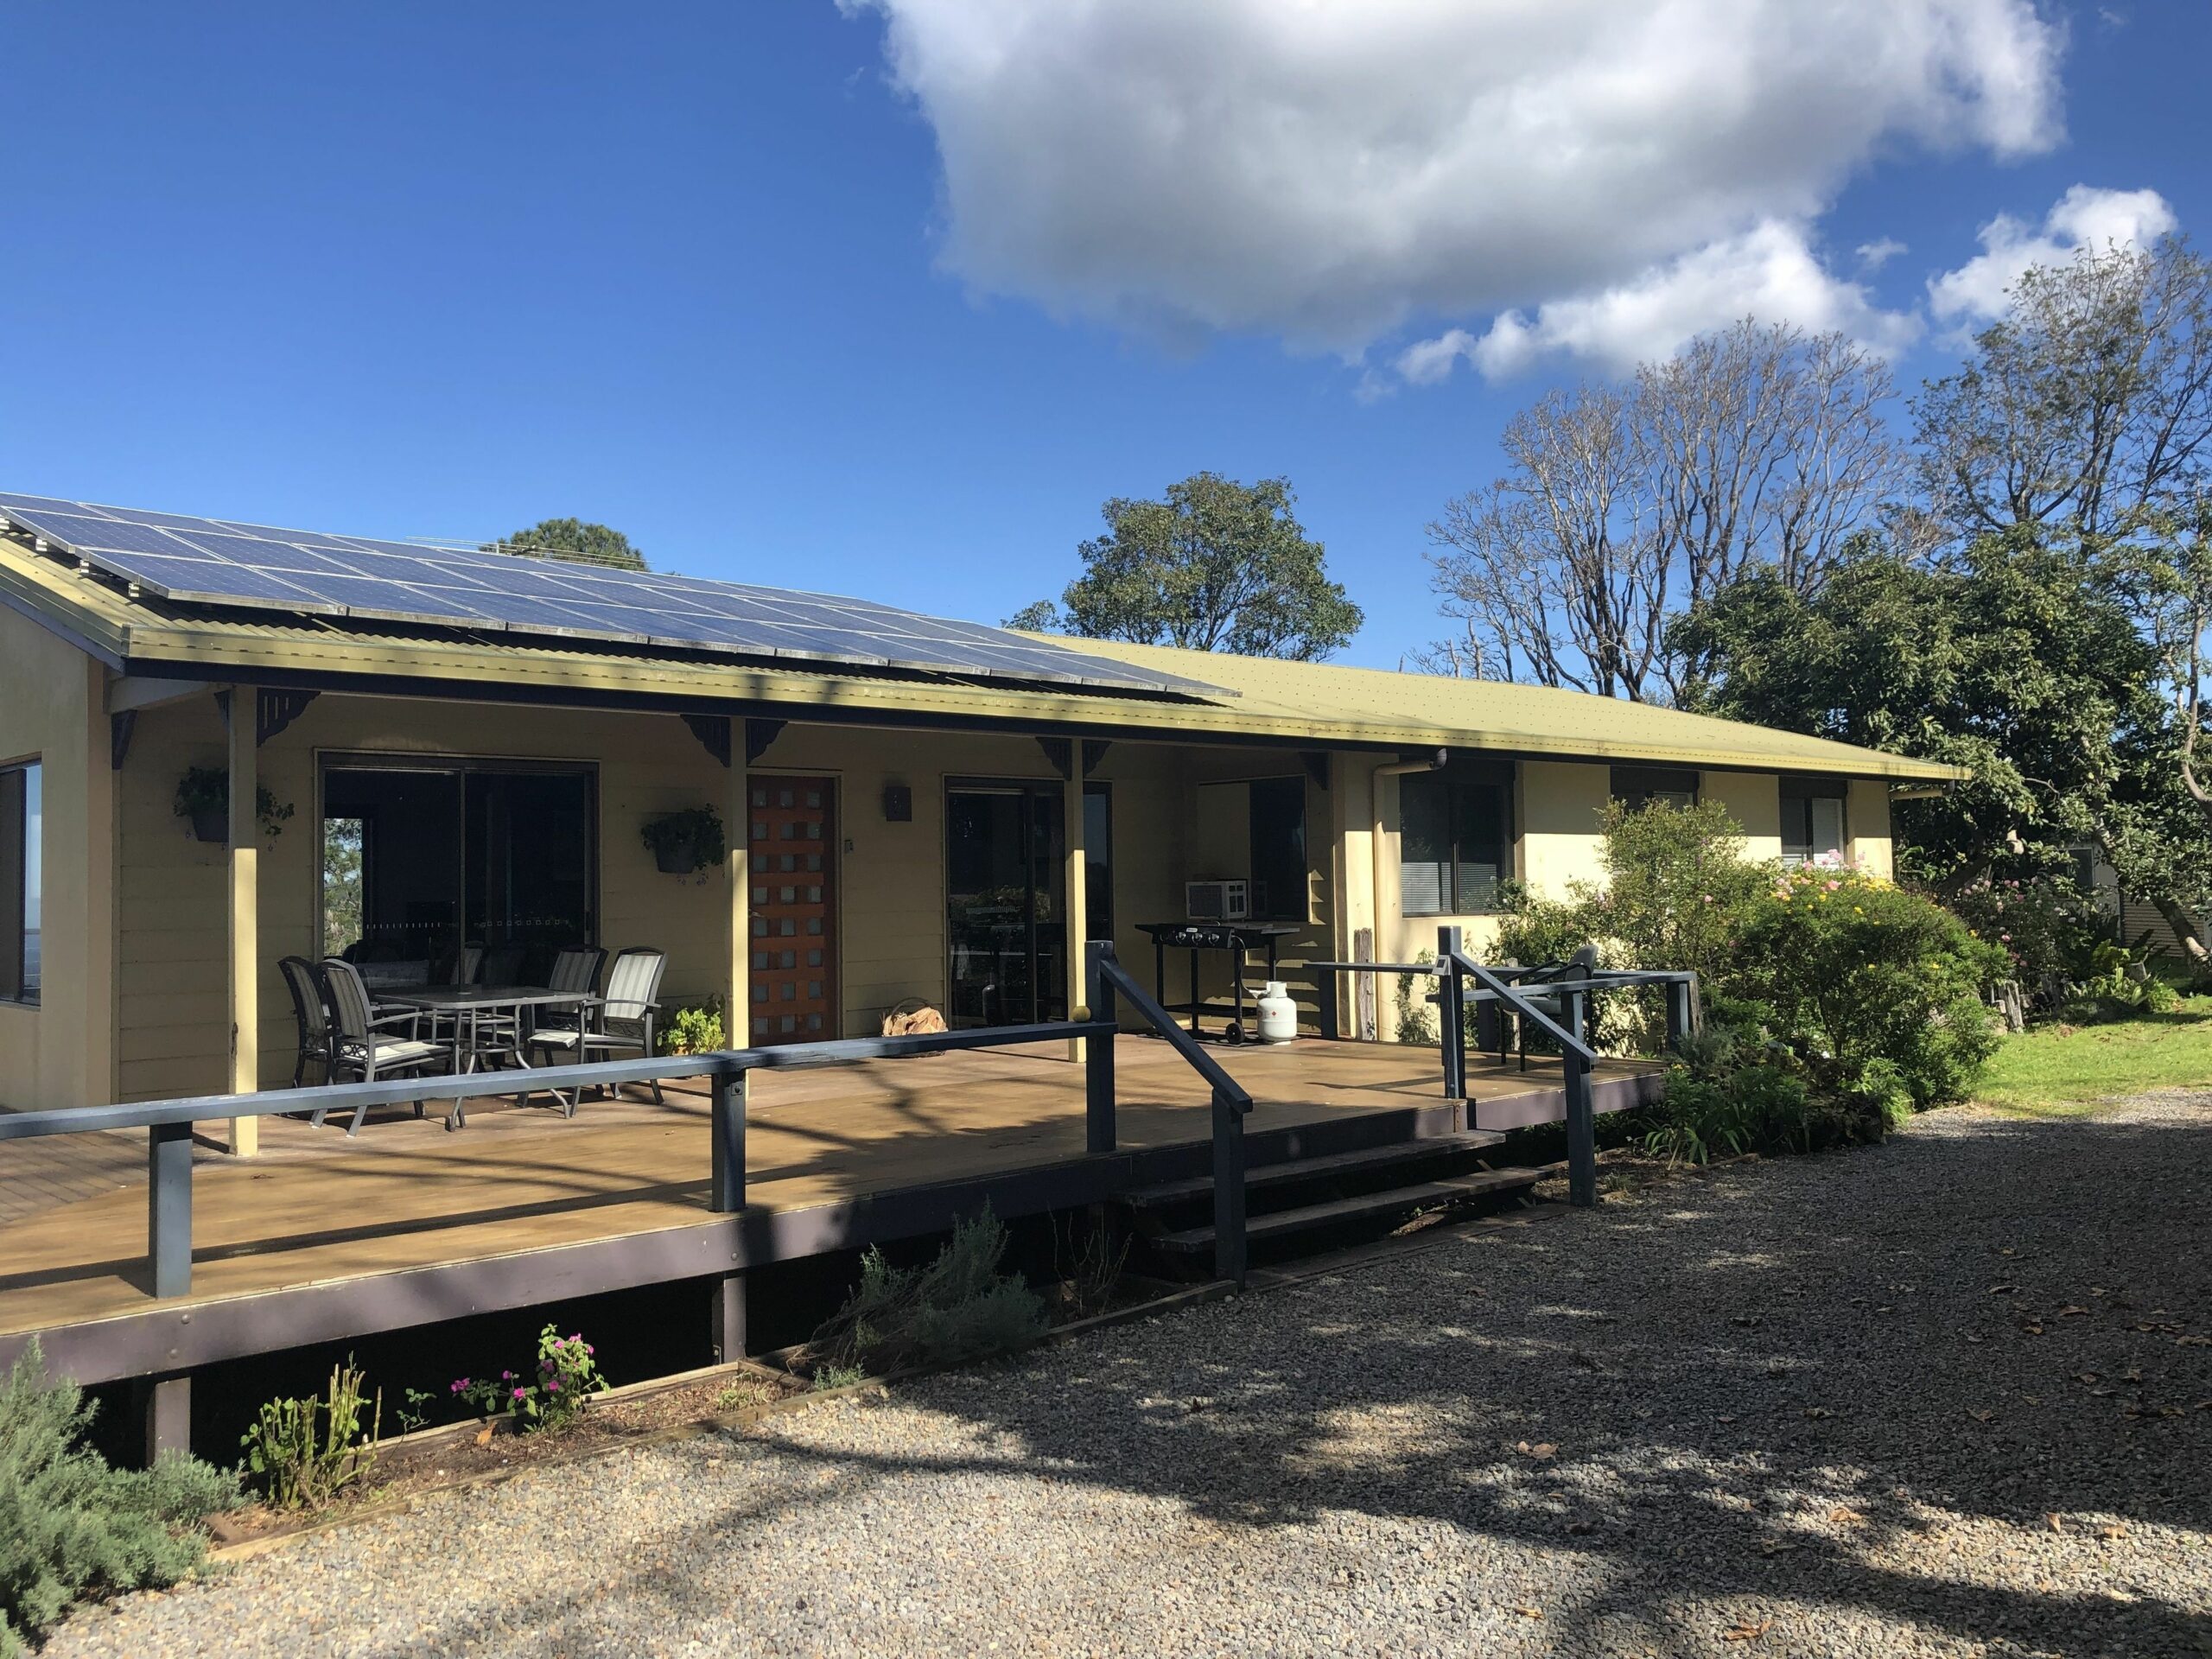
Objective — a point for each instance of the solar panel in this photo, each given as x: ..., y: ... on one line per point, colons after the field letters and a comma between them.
x: 224, y: 562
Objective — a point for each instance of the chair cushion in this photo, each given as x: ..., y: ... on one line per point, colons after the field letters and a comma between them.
x: 554, y: 1037
x: 398, y: 1050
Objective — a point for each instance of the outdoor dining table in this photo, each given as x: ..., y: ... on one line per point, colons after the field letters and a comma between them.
x: 475, y: 1010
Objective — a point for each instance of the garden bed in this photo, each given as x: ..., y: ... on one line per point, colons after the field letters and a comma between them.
x: 469, y: 1453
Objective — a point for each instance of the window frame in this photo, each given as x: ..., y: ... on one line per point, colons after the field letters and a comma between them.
x: 1457, y: 777
x: 1800, y: 791
x: 1636, y: 787
x: 24, y: 880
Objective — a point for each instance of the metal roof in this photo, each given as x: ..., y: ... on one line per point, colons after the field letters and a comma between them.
x: 1261, y: 699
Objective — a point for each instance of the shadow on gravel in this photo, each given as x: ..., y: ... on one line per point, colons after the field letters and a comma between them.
x: 1784, y: 1383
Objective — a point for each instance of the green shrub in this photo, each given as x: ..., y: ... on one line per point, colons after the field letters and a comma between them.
x: 959, y: 1306
x: 2045, y: 924
x: 303, y: 1453
x: 1857, y: 970
x: 695, y: 1030
x: 71, y: 1526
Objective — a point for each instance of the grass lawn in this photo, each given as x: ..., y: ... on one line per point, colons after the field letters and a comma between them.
x: 2046, y: 1072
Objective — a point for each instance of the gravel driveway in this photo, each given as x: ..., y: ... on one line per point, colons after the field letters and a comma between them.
x: 1948, y: 1396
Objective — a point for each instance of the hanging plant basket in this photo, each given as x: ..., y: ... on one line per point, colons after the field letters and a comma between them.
x: 203, y: 798
x: 687, y: 840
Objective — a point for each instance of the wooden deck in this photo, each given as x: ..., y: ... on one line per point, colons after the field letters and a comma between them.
x: 407, y: 1200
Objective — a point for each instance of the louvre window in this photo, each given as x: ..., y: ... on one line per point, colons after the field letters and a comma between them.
x: 21, y: 818
x: 1812, y: 820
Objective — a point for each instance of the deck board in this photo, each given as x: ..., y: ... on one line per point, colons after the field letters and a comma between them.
x: 318, y: 1208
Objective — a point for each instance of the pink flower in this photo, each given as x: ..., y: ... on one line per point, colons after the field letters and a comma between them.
x: 520, y: 1392
x: 553, y: 1385
x: 2006, y: 938
x: 1832, y: 885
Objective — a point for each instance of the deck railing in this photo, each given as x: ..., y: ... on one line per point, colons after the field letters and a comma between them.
x: 168, y: 1122
x: 1506, y: 988
x: 1105, y: 980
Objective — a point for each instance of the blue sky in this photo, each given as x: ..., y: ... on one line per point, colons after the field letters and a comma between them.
x: 786, y: 307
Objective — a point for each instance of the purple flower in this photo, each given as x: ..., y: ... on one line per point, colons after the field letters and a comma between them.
x: 553, y: 1385
x: 520, y: 1392
x: 459, y: 1384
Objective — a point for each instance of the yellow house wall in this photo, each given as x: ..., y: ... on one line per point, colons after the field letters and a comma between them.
x: 1169, y: 826
x: 59, y: 1052
x: 1867, y: 821
x: 1754, y: 800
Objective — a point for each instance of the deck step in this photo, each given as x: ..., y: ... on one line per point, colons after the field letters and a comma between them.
x: 1311, y: 1169
x: 1489, y: 1183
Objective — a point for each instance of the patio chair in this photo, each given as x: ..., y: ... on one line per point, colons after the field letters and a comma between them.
x: 622, y: 1020
x: 502, y: 965
x: 313, y: 1019
x: 1552, y: 1004
x: 575, y: 968
x: 360, y: 1045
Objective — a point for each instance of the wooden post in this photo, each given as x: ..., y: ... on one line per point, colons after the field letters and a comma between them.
x: 1581, y: 1116
x: 1077, y: 885
x: 1228, y: 1191
x: 737, y: 830
x: 1678, y: 1012
x: 1098, y: 1075
x: 1451, y: 1013
x: 168, y: 1405
x: 245, y: 912
x: 725, y: 1196
x: 168, y: 1207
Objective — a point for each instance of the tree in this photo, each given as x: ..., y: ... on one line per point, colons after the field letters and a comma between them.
x: 2087, y: 405
x: 2018, y: 658
x: 591, y: 543
x: 1217, y: 566
x: 1758, y: 447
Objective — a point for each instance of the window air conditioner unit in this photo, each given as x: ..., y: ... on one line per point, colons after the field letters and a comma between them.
x: 1218, y: 901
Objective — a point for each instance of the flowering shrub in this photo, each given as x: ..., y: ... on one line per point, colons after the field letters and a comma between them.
x: 2047, y: 927
x: 1876, y: 989
x: 568, y: 1375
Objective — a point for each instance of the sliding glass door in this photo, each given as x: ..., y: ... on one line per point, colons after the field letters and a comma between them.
x: 1006, y: 897
x: 422, y: 859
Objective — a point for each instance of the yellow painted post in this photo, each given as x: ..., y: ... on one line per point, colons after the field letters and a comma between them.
x: 245, y: 916
x: 1077, y: 885
x: 737, y: 824
x: 100, y: 1082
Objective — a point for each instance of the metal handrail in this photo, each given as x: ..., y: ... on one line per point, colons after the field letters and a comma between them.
x: 168, y: 1122
x: 1521, y: 1006
x: 1104, y: 979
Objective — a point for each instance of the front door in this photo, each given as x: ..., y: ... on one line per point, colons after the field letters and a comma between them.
x: 793, y: 867
x: 1004, y: 879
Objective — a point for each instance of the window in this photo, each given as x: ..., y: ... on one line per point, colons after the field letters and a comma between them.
x: 1277, y: 822
x: 1812, y: 820
x: 22, y: 818
x: 1639, y: 787
x: 1455, y: 838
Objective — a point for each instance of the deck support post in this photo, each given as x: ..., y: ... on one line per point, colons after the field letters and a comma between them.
x: 1451, y: 1011
x: 1679, y: 1018
x: 1228, y: 1191
x: 168, y: 1406
x: 725, y: 1196
x: 1098, y: 1086
x: 1077, y: 884
x: 168, y: 1207
x: 726, y: 1189
x: 727, y: 1314
x: 1582, y: 1114
x: 244, y: 784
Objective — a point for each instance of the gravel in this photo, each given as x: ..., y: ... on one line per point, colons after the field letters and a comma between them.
x: 1949, y: 1396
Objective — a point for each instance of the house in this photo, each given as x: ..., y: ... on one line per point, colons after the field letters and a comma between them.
x: 457, y: 748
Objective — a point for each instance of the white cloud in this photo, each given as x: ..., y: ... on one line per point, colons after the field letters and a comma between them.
x: 2084, y: 217
x: 1872, y: 256
x: 1770, y: 273
x: 1326, y: 169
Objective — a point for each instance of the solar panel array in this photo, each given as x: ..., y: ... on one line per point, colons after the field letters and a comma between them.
x: 221, y: 562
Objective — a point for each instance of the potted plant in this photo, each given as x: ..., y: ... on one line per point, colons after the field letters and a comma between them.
x: 203, y: 795
x: 687, y: 840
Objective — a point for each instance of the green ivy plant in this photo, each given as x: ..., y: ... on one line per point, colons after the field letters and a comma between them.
x: 207, y: 789
x: 695, y: 1030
